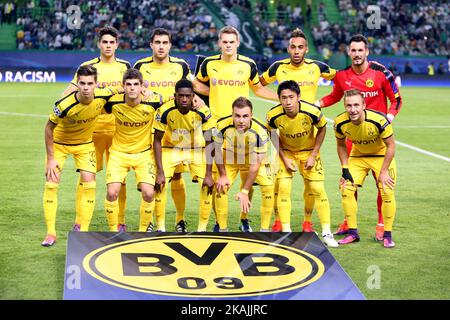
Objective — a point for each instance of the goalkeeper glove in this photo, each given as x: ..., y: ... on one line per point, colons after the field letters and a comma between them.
x: 347, y: 175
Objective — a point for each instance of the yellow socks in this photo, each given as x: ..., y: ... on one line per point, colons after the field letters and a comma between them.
x: 122, y: 203
x: 79, y: 192
x: 284, y: 200
x: 388, y: 208
x: 349, y: 205
x: 146, y: 214
x: 266, y: 206
x: 112, y: 212
x: 160, y: 208
x: 87, y: 204
x: 50, y: 201
x: 205, y: 208
x: 178, y: 191
x: 221, y: 203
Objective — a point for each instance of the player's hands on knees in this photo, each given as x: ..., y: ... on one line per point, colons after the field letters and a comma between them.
x: 208, y: 182
x: 52, y: 171
x: 160, y: 181
x: 197, y: 103
x: 386, y: 181
x: 222, y: 184
x: 310, y: 162
x: 346, y: 177
x: 244, y: 200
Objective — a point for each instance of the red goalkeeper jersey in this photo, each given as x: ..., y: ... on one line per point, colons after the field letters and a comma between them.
x: 377, y: 84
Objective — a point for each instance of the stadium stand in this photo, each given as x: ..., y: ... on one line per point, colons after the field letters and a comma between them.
x: 415, y: 28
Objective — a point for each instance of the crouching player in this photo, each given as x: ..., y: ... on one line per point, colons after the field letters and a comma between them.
x: 373, y: 149
x: 298, y: 148
x: 132, y: 148
x: 241, y: 147
x: 184, y: 130
x: 69, y: 131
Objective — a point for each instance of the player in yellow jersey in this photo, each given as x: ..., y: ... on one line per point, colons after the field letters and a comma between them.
x: 241, y: 148
x: 307, y: 73
x: 373, y: 150
x: 161, y: 72
x: 110, y: 72
x: 229, y: 75
x: 298, y: 148
x: 131, y: 148
x: 69, y: 131
x: 184, y: 130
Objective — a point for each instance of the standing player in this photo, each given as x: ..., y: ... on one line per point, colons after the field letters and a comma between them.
x: 161, y: 72
x: 69, y: 131
x: 298, y: 148
x: 110, y: 72
x: 241, y: 148
x: 373, y: 150
x: 131, y: 148
x: 306, y: 72
x: 376, y: 83
x: 184, y: 130
x: 229, y: 75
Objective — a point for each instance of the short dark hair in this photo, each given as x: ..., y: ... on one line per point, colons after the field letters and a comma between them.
x: 288, y: 85
x: 87, y: 70
x: 353, y: 92
x: 110, y: 31
x: 161, y: 32
x: 298, y: 33
x: 241, y: 103
x: 358, y: 38
x: 132, y: 74
x: 184, y: 83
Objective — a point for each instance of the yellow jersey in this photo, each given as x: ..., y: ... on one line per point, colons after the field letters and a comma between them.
x: 227, y: 81
x: 162, y: 78
x: 367, y: 137
x: 307, y: 75
x: 109, y: 75
x: 239, y: 146
x: 182, y: 130
x: 133, y: 124
x: 296, y: 134
x: 76, y: 121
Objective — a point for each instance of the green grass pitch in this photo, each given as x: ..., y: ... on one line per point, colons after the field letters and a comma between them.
x: 418, y: 268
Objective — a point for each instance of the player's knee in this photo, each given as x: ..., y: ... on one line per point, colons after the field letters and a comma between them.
x: 148, y: 194
x: 284, y: 187
x: 317, y: 188
x: 112, y: 194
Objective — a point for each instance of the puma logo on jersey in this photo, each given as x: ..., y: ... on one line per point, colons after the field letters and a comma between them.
x: 349, y: 83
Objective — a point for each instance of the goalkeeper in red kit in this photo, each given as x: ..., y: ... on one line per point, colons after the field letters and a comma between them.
x: 377, y: 84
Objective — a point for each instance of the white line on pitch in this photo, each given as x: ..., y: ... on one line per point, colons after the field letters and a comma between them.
x: 24, y: 114
x: 428, y: 153
x: 432, y: 154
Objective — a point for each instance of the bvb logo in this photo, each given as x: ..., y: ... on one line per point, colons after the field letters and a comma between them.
x: 369, y: 83
x: 203, y: 266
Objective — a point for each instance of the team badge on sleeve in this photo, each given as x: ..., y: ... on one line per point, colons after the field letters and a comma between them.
x: 56, y: 111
